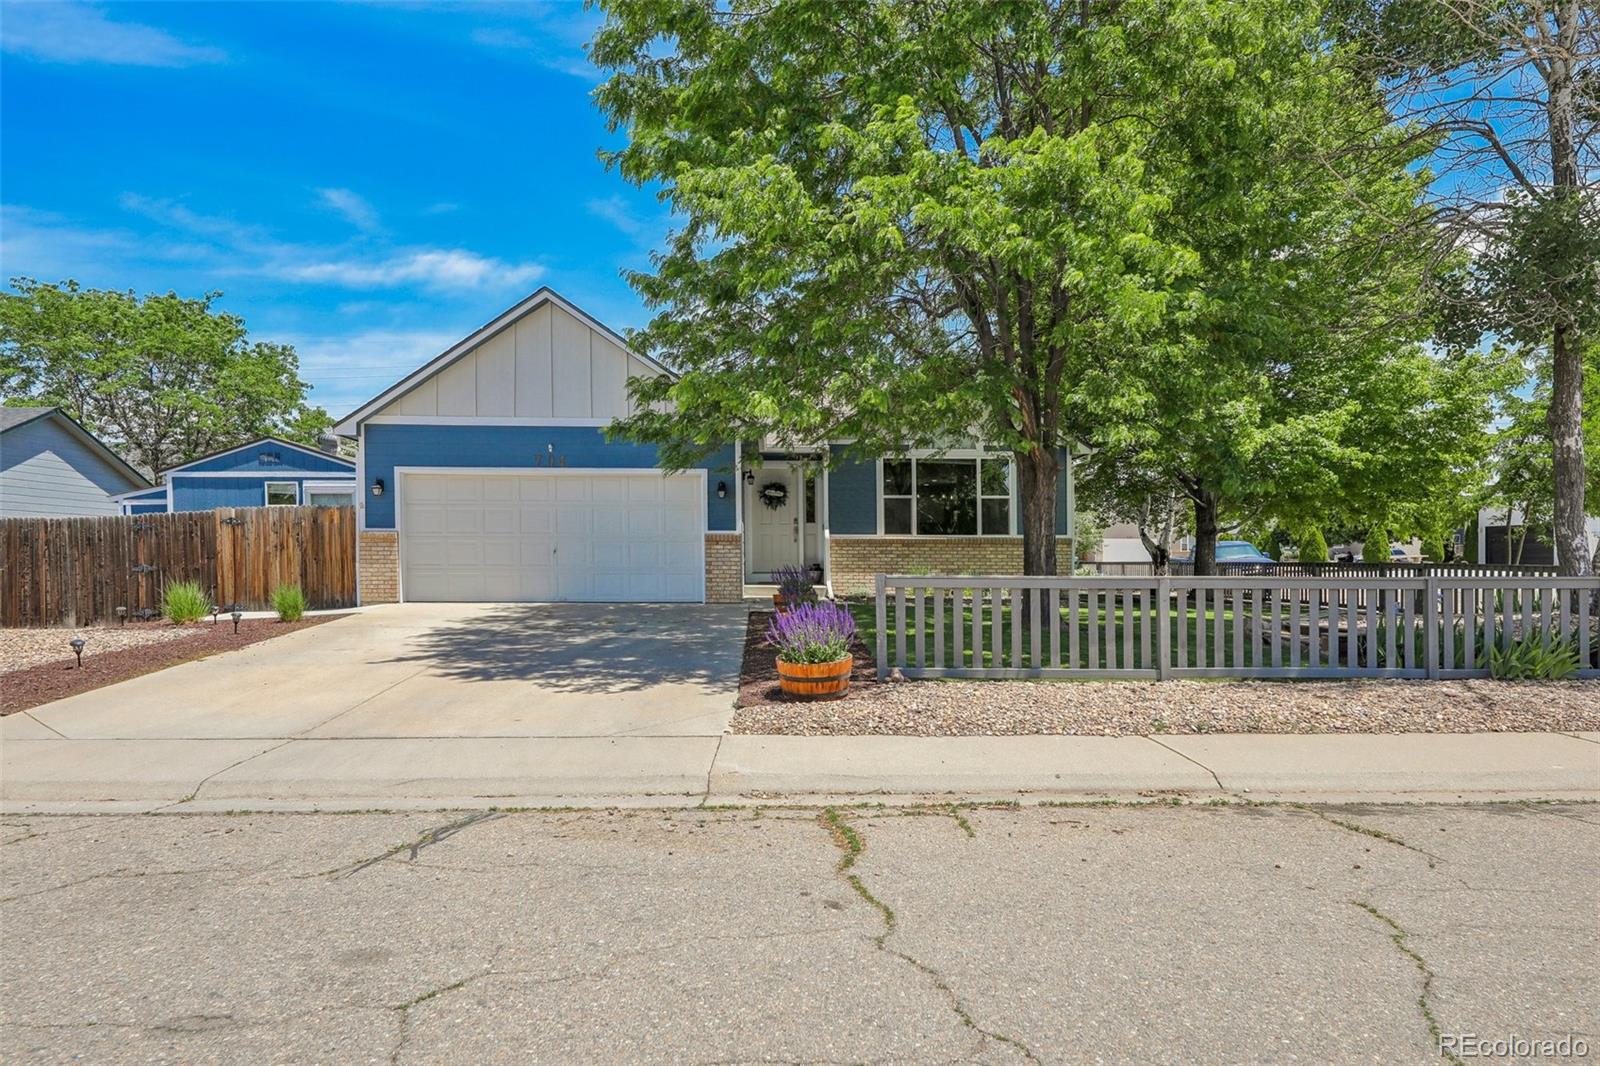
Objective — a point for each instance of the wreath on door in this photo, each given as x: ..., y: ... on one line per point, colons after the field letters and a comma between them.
x: 774, y: 494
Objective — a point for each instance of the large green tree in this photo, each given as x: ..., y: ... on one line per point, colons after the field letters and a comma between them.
x: 1510, y: 92
x: 163, y: 378
x: 907, y: 223
x: 1295, y: 390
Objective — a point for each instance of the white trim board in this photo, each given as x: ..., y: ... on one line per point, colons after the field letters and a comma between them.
x: 486, y: 420
x: 348, y: 426
x: 275, y: 475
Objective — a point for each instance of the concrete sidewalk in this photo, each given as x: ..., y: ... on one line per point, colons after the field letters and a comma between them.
x: 45, y: 772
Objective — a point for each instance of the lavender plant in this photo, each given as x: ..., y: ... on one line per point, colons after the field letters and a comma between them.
x: 812, y: 633
x: 794, y: 584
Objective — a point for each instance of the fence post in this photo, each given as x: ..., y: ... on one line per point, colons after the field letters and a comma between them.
x: 1431, y: 622
x: 1163, y: 628
x: 883, y: 629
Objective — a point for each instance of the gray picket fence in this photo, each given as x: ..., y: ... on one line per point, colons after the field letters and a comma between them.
x: 1277, y: 626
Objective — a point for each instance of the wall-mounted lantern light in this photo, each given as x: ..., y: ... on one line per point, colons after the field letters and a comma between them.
x: 377, y: 486
x: 77, y: 649
x: 749, y: 477
x: 722, y: 490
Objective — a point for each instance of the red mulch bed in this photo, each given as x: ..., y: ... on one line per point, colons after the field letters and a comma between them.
x: 758, y: 673
x: 22, y: 689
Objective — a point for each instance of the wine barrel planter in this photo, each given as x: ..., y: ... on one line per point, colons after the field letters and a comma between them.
x: 815, y: 680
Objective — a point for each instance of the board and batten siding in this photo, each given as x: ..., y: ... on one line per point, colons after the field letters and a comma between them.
x: 546, y: 364
x: 47, y: 472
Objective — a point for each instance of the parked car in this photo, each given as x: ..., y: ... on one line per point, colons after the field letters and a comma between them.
x: 1232, y: 551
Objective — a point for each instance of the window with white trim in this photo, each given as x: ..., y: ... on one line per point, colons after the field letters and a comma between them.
x: 283, y: 494
x: 945, y: 497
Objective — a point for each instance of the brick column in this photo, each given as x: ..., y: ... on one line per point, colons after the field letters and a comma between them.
x: 724, y: 568
x: 379, y: 571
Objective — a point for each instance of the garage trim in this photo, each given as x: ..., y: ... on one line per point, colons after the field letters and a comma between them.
x: 401, y: 472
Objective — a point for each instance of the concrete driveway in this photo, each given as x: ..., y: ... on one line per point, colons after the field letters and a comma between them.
x: 443, y: 670
x: 518, y: 699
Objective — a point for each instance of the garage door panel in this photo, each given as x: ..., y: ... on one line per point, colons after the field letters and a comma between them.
x: 549, y: 536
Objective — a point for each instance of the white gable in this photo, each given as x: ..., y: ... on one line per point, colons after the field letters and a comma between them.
x: 548, y: 361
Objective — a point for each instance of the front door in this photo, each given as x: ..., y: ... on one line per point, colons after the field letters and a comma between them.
x: 774, y: 521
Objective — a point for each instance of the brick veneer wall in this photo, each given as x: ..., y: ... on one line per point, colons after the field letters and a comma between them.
x: 724, y: 568
x: 853, y: 561
x: 379, y: 569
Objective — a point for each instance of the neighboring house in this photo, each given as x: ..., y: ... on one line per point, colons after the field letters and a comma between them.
x: 266, y: 472
x: 487, y: 475
x: 1496, y: 528
x: 52, y: 467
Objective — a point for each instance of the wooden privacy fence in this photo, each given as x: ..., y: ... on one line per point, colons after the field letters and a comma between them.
x: 1064, y: 627
x: 78, y: 571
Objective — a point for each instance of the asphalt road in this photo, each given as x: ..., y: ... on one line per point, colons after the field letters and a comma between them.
x: 1222, y: 934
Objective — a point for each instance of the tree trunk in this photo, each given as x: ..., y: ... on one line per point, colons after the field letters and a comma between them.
x: 1566, y: 349
x: 1566, y: 438
x: 1205, y: 533
x: 1037, y: 473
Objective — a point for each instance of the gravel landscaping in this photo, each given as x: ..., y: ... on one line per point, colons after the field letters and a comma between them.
x: 22, y: 648
x: 1128, y: 708
x: 105, y: 663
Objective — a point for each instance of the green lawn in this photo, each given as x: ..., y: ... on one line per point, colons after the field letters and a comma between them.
x: 1133, y: 621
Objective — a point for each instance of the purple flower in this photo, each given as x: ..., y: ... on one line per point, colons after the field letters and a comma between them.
x: 812, y: 633
x: 793, y: 583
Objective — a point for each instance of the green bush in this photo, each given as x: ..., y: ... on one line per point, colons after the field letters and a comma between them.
x: 289, y: 601
x: 184, y: 601
x: 1529, y: 659
x: 1313, y: 546
x: 1375, y: 548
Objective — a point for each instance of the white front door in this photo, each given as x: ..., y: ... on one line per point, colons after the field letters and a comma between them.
x: 774, y: 531
x: 543, y: 536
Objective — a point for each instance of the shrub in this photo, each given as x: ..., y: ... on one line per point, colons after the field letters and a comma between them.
x: 812, y: 633
x: 289, y: 602
x: 1433, y: 548
x: 1313, y: 546
x: 1528, y: 659
x: 1375, y: 548
x: 794, y: 584
x: 184, y: 601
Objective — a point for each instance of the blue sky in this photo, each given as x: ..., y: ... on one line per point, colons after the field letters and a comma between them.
x: 368, y: 182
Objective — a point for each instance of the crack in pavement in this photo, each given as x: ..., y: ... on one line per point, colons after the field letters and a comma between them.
x: 202, y: 782
x: 1190, y: 758
x: 427, y: 838
x: 852, y: 844
x: 119, y: 875
x: 1368, y: 831
x: 1398, y: 935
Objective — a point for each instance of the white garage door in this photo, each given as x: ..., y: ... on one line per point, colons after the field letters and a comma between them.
x: 552, y: 535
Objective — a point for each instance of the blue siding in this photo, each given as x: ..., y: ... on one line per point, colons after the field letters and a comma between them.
x: 853, y: 497
x: 147, y: 508
x: 157, y: 494
x: 249, y: 457
x: 389, y: 446
x: 47, y: 470
x: 205, y: 493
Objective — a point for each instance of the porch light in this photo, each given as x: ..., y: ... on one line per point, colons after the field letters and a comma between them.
x: 749, y: 477
x: 722, y: 490
x: 236, y: 616
x: 77, y: 649
x: 377, y: 486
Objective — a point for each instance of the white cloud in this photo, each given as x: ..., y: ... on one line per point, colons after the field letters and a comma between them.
x: 348, y: 369
x: 554, y: 38
x: 246, y: 249
x: 617, y: 211
x: 352, y: 206
x: 81, y: 33
x: 442, y: 268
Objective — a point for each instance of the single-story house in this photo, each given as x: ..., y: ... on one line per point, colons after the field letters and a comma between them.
x: 266, y: 472
x: 52, y: 467
x: 486, y: 475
